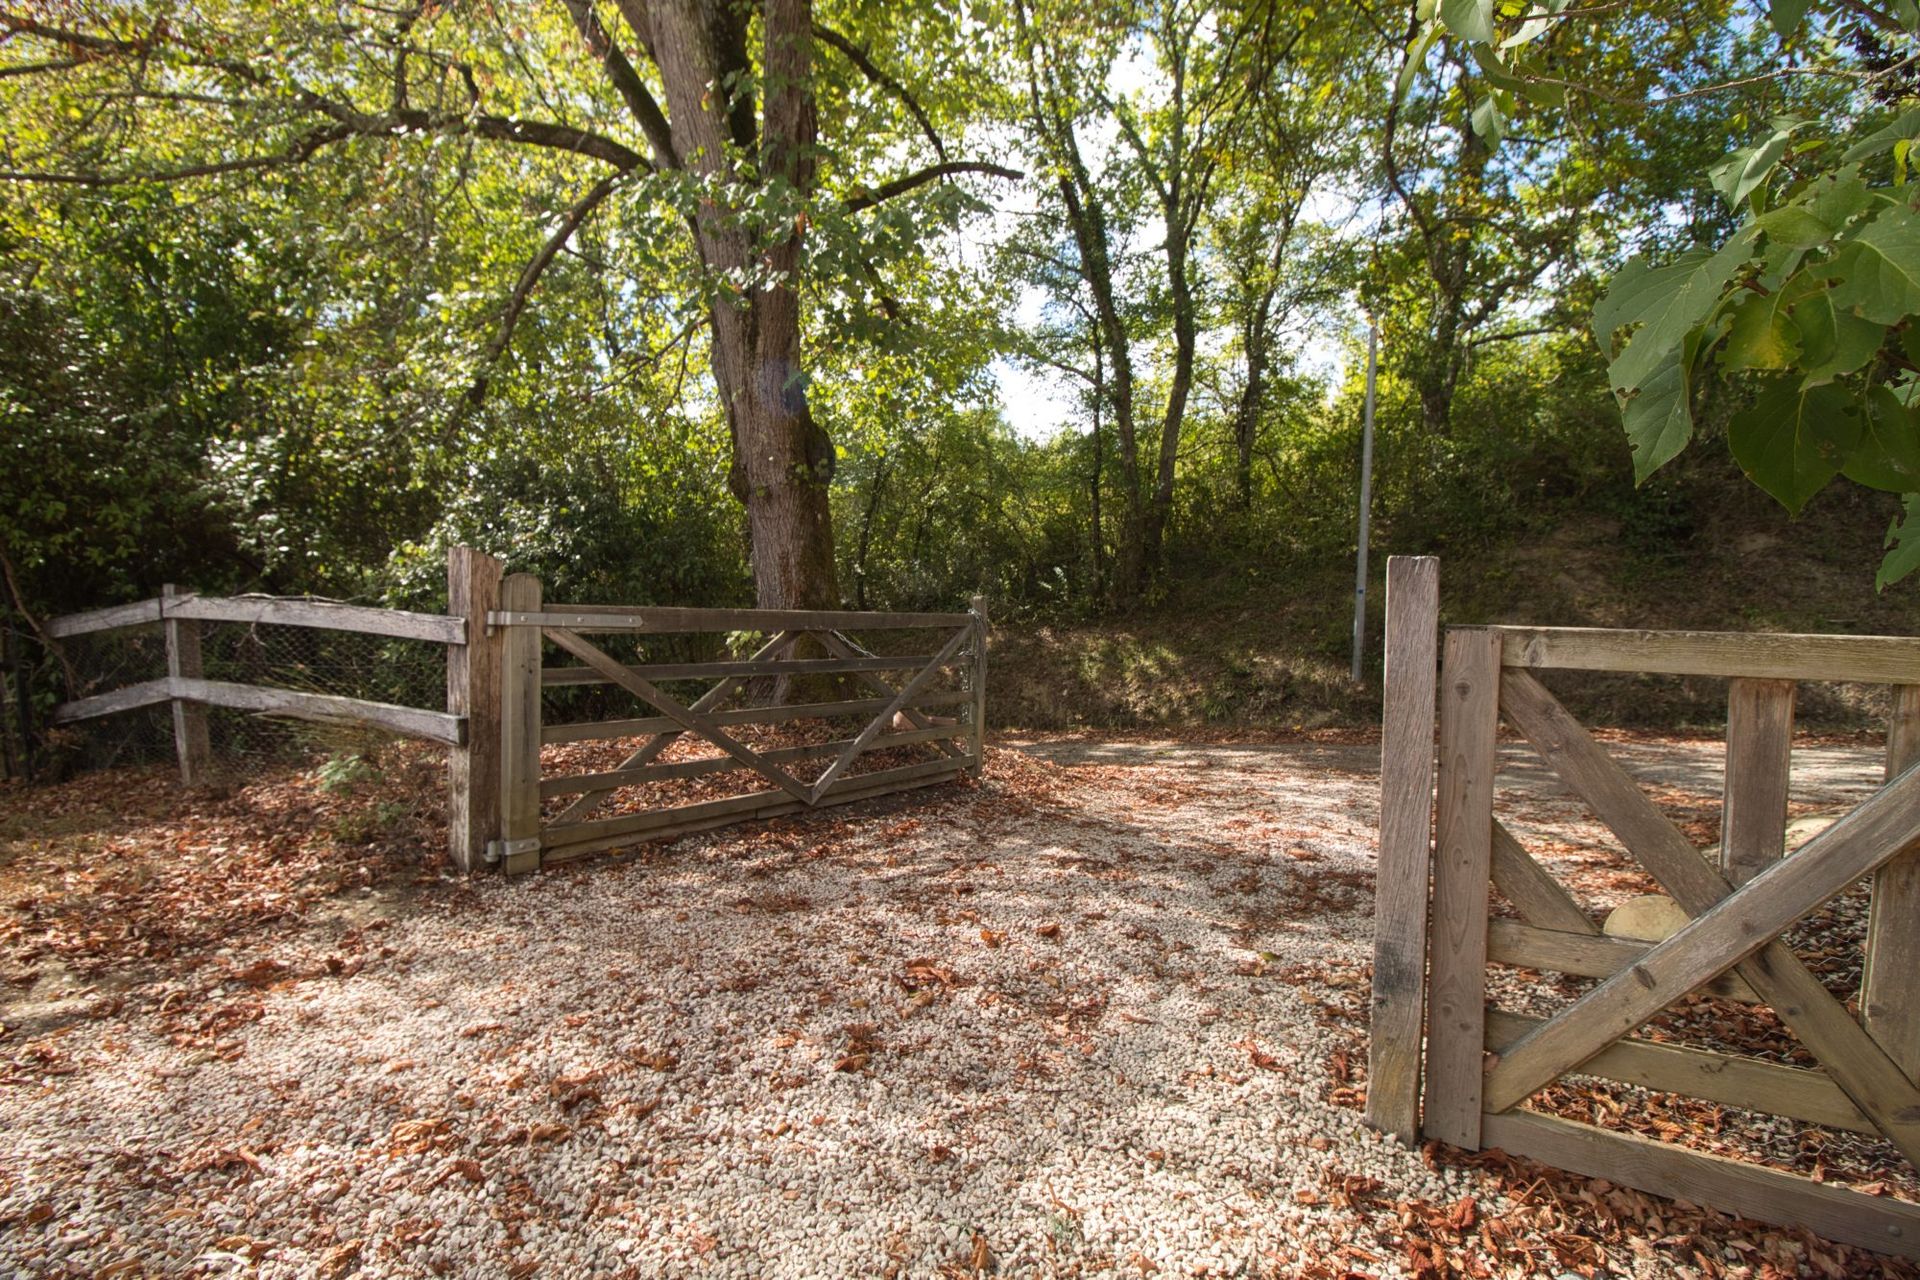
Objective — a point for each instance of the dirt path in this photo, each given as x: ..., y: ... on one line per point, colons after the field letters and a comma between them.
x: 1102, y: 1015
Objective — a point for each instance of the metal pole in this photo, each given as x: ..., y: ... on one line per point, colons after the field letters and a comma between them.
x: 1366, y: 496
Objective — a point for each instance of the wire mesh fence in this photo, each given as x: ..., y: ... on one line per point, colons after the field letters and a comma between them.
x: 304, y: 659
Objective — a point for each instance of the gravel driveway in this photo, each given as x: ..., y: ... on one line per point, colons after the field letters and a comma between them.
x: 1101, y: 1015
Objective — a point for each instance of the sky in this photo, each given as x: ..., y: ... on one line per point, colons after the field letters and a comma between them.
x: 1038, y: 403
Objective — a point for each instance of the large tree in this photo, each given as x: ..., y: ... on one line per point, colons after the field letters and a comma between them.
x: 706, y: 111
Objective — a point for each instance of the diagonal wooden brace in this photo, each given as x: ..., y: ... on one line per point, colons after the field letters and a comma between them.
x: 708, y: 701
x: 693, y: 720
x: 841, y: 647
x: 1851, y: 1057
x: 879, y: 723
x: 1737, y: 926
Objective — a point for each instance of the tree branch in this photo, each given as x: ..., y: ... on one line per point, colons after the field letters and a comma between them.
x: 302, y: 149
x: 858, y: 57
x: 867, y: 199
x: 626, y: 81
x: 530, y: 277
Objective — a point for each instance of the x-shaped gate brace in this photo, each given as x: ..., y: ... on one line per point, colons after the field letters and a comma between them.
x: 693, y: 718
x: 1730, y: 929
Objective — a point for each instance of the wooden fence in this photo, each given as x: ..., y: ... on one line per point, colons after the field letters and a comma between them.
x: 951, y: 675
x: 495, y: 631
x: 1432, y: 948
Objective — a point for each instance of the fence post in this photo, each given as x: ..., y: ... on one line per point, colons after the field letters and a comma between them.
x: 1753, y: 816
x: 1889, y: 1005
x: 1462, y: 871
x: 979, y: 611
x: 519, y: 846
x: 473, y: 691
x: 1405, y: 857
x: 190, y: 742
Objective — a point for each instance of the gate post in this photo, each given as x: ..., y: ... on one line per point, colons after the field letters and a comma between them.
x: 1889, y: 1005
x: 519, y: 844
x: 979, y: 611
x: 189, y: 718
x: 1405, y: 851
x: 1462, y: 876
x: 473, y: 691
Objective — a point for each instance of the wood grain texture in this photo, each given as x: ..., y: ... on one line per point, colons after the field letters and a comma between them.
x: 473, y: 691
x: 981, y: 631
x: 884, y: 719
x: 141, y: 613
x: 191, y: 745
x: 1588, y: 955
x: 520, y: 725
x: 597, y: 618
x: 743, y: 668
x: 1866, y: 659
x: 1734, y: 1081
x: 1753, y: 823
x: 1405, y: 863
x: 1539, y: 898
x: 1890, y: 991
x: 1871, y: 1222
x: 658, y: 824
x: 710, y: 700
x: 1875, y: 1083
x: 669, y: 707
x: 324, y: 614
x: 407, y: 722
x: 639, y: 775
x: 595, y: 730
x: 1463, y: 852
x: 127, y: 698
x: 844, y: 646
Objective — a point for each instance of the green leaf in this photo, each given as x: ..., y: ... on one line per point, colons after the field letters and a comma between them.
x: 1658, y: 416
x: 1877, y: 273
x: 1905, y: 127
x: 1833, y: 341
x: 1666, y: 302
x: 1762, y: 336
x: 1489, y: 121
x: 1416, y: 60
x: 1903, y: 539
x: 1887, y: 455
x: 1786, y: 14
x: 1742, y: 172
x: 1469, y: 19
x: 1839, y: 199
x: 1794, y: 226
x: 1791, y: 440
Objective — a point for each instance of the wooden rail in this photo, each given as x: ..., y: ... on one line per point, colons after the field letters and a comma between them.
x: 1477, y: 1066
x: 469, y: 725
x: 270, y: 610
x: 530, y: 839
x: 494, y: 632
x: 671, y: 621
x: 1753, y: 655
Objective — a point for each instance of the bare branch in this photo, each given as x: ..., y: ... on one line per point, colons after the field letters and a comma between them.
x: 858, y: 57
x: 302, y: 149
x: 919, y: 178
x: 626, y: 81
x: 530, y: 277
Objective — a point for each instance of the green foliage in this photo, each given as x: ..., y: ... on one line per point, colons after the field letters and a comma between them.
x: 1803, y: 312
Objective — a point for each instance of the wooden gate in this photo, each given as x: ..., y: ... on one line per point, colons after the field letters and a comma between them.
x: 1481, y: 1063
x: 894, y: 715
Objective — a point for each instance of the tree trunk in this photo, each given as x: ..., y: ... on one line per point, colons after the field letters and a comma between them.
x: 1093, y: 478
x: 782, y: 460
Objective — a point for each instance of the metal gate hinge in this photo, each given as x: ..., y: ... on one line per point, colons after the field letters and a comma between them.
x: 499, y: 850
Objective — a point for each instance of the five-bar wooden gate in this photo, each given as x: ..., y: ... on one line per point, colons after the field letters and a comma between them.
x: 952, y: 676
x: 1431, y: 954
